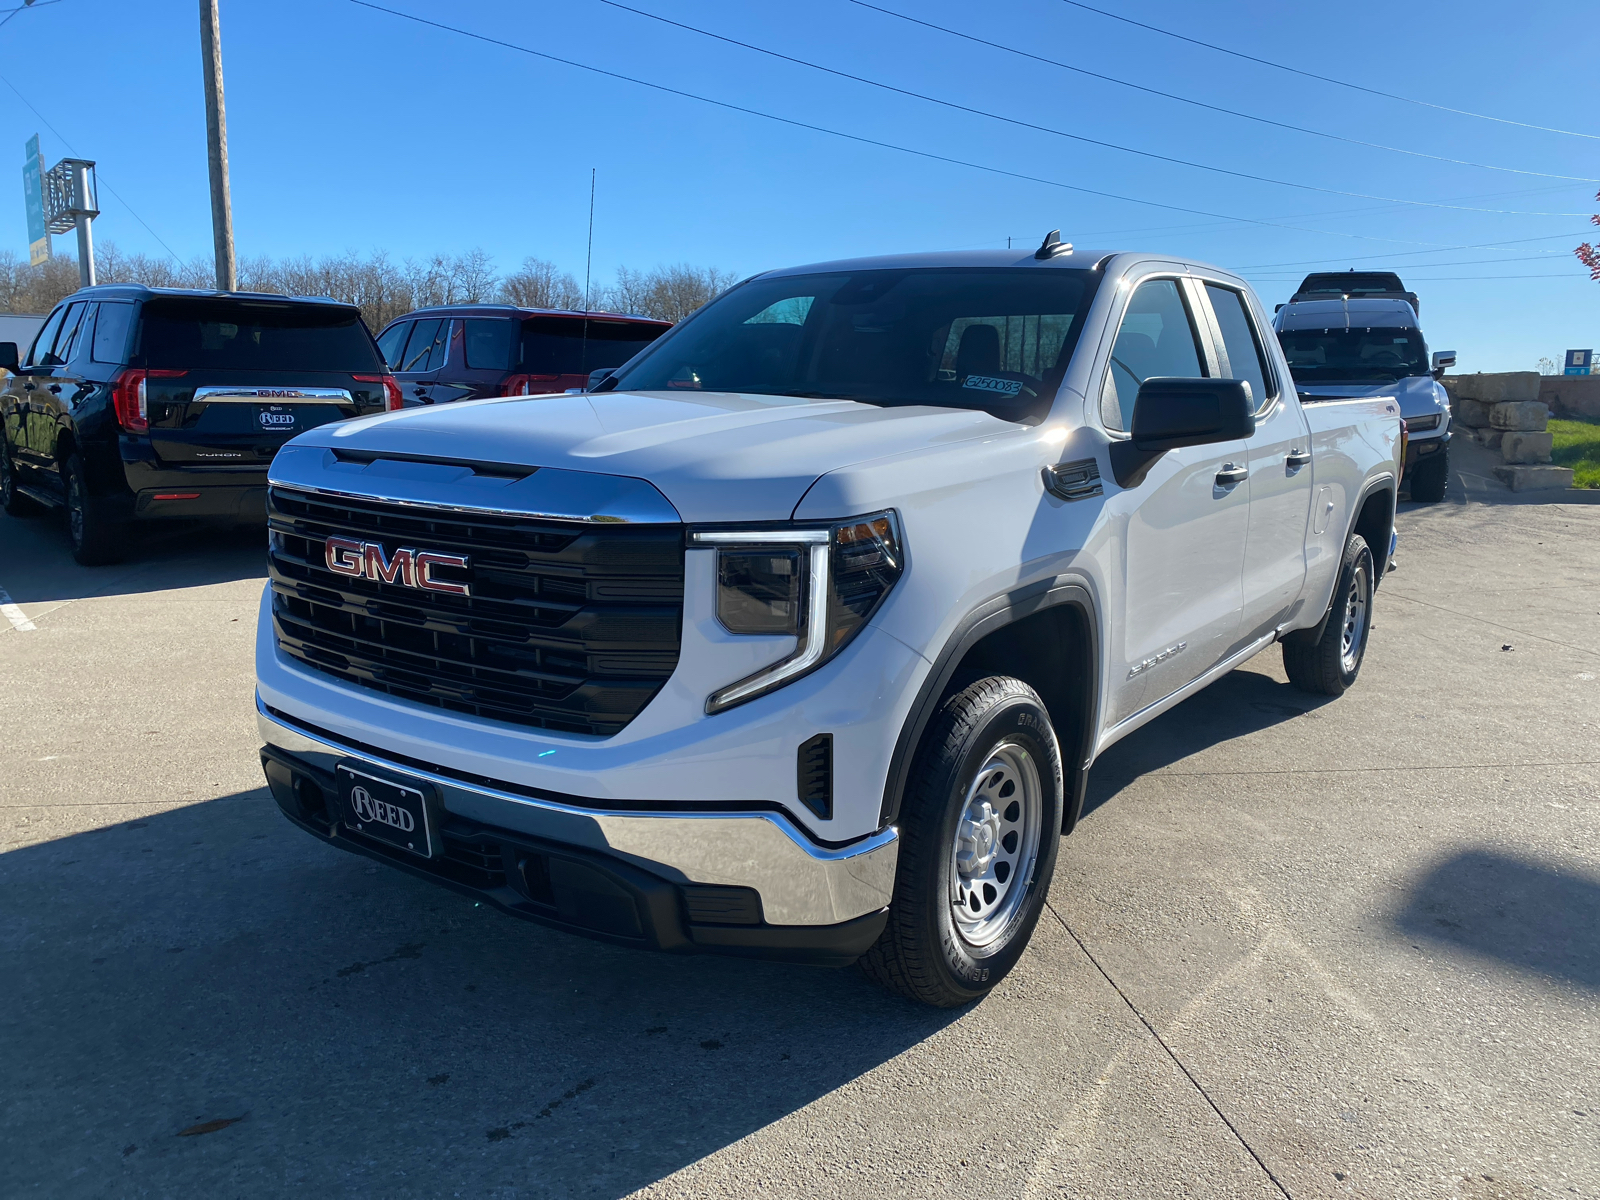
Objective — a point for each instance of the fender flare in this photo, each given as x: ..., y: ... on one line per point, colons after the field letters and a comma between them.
x: 991, y: 615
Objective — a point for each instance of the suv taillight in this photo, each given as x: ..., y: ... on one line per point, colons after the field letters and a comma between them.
x: 129, y: 399
x: 391, y: 390
x: 522, y: 385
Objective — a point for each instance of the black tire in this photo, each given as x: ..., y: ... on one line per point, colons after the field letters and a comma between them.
x: 1329, y: 664
x: 96, y: 539
x: 1430, y: 477
x: 13, y: 501
x: 980, y: 743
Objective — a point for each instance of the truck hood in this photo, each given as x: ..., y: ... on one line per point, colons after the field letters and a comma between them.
x: 1418, y: 395
x: 716, y: 456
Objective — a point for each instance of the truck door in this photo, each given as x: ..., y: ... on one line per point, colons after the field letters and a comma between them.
x: 25, y: 387
x: 1184, y: 525
x: 1279, y: 459
x: 56, y: 388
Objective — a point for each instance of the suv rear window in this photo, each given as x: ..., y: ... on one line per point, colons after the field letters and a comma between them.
x: 1350, y: 283
x: 558, y: 346
x: 250, y: 336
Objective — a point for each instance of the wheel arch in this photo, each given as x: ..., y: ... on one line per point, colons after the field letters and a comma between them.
x: 1046, y: 634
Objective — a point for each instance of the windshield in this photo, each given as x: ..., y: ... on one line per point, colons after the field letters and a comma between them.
x: 560, y: 346
x: 1321, y: 355
x: 1349, y: 285
x: 244, y: 336
x: 997, y: 340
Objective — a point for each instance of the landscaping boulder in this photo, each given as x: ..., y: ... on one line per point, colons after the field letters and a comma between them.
x: 1519, y: 414
x: 1474, y: 414
x: 1526, y: 447
x: 1503, y: 386
x: 1528, y: 479
x: 1488, y: 437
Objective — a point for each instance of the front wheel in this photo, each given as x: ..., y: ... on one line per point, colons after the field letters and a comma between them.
x: 1430, y: 477
x: 1329, y: 664
x: 12, y: 500
x: 979, y: 831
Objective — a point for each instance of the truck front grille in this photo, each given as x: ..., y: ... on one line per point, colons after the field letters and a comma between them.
x: 570, y: 627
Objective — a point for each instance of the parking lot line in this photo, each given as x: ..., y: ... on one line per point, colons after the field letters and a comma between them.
x: 12, y: 613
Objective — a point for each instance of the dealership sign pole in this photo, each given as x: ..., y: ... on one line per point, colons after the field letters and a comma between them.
x: 70, y: 188
x: 33, y: 197
x: 217, y: 146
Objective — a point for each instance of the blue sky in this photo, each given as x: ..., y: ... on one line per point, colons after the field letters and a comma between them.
x: 351, y: 129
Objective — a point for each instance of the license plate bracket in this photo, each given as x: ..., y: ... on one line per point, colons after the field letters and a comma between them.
x: 392, y: 809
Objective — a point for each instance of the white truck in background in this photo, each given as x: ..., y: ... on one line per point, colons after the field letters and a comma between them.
x: 798, y: 635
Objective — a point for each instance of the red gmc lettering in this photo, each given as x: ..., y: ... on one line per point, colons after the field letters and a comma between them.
x: 344, y: 557
x: 402, y: 567
x: 427, y: 560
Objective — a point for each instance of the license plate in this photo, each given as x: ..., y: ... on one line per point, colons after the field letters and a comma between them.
x: 386, y: 809
x: 279, y: 417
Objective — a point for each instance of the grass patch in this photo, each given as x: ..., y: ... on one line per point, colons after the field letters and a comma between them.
x: 1577, y: 445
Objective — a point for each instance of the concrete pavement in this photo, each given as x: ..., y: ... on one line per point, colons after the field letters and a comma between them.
x: 1297, y: 948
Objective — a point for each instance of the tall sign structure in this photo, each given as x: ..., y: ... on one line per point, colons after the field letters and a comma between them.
x: 217, y: 146
x: 70, y: 189
x: 33, y: 197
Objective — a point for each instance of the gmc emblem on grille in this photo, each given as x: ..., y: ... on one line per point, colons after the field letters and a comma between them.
x: 410, y: 568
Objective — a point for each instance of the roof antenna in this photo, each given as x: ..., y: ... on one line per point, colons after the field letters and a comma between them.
x: 1052, y: 245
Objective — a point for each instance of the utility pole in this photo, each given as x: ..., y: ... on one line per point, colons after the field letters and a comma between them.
x: 217, y: 147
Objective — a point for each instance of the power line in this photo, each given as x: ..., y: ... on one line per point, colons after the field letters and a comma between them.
x: 1324, y: 78
x: 1312, y: 262
x: 852, y: 137
x: 1021, y: 124
x: 1139, y: 87
x: 11, y: 12
x: 99, y: 178
x: 1445, y: 278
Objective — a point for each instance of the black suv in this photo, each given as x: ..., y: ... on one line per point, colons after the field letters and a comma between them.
x: 137, y: 403
x: 466, y: 351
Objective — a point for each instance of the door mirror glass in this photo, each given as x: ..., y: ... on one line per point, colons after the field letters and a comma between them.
x: 8, y: 356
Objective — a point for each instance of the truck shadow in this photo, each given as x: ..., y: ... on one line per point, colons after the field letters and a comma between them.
x: 1242, y: 702
x: 36, y: 565
x: 1528, y: 915
x: 379, y: 1036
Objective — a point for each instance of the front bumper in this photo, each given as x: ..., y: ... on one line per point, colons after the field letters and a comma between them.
x: 1425, y: 446
x: 739, y: 883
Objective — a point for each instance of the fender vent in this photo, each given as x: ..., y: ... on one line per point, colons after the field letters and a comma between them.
x: 814, y: 775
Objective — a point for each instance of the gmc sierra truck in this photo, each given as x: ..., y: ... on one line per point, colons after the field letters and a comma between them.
x: 798, y: 635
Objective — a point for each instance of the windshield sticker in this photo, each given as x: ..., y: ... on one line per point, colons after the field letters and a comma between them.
x: 988, y: 383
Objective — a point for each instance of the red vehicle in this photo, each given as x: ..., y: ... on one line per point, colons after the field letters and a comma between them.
x: 467, y: 351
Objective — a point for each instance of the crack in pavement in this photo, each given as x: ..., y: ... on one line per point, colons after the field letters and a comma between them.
x: 1494, y: 624
x: 1178, y: 1062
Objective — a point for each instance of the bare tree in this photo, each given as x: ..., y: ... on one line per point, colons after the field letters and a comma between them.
x: 667, y: 293
x: 540, y: 284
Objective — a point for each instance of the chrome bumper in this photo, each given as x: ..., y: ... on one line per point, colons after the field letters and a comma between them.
x: 800, y: 883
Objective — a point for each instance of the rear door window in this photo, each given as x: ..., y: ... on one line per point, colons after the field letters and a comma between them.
x: 1156, y: 338
x: 1240, y: 344
x: 489, y: 342
x: 562, y: 345
x: 392, y: 341
x: 47, y: 336
x: 111, y: 332
x: 254, y: 336
x: 425, y: 347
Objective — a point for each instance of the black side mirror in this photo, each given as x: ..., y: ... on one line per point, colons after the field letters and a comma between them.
x: 8, y: 356
x: 1170, y: 413
x: 596, y: 378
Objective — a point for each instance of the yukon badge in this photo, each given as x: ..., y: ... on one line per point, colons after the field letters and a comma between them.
x: 410, y: 568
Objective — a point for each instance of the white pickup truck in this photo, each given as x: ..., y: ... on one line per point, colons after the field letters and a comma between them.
x: 798, y: 635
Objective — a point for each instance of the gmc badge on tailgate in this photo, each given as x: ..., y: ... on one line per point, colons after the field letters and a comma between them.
x: 410, y: 568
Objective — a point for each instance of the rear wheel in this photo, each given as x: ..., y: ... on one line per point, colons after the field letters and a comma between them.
x: 95, y: 537
x: 1329, y: 664
x: 13, y: 501
x: 980, y: 828
x: 1430, y: 477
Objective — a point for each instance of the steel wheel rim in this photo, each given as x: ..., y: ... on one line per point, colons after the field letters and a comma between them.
x: 1354, y: 634
x: 5, y: 477
x: 996, y: 844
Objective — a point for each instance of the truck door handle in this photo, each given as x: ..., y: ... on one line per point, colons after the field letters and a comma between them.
x: 30, y: 386
x: 1296, y: 459
x: 1231, y: 475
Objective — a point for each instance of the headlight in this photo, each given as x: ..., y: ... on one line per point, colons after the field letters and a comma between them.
x: 820, y: 584
x: 1417, y: 424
